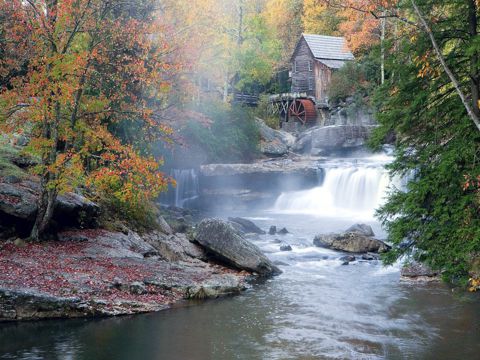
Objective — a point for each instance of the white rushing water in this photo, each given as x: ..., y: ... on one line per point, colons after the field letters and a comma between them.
x: 347, y: 190
x: 187, y: 188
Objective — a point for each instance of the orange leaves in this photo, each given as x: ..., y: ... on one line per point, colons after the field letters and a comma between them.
x: 120, y: 171
x: 425, y: 67
x: 89, y: 66
x: 127, y: 176
x: 362, y: 20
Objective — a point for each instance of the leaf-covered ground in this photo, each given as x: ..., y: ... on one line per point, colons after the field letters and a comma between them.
x: 68, y: 269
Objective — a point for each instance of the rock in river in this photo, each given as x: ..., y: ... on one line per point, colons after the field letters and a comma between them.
x: 348, y: 258
x: 283, y: 231
x: 221, y: 240
x: 285, y: 247
x: 272, y: 230
x: 246, y: 226
x: 416, y: 271
x: 350, y: 242
x: 363, y: 229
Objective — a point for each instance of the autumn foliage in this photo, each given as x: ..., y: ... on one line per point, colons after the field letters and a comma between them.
x: 74, y: 75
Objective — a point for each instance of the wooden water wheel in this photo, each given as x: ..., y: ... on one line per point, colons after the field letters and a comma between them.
x: 303, y: 110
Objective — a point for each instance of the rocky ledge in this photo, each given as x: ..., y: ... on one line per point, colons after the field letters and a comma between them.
x: 18, y: 207
x: 259, y: 183
x: 96, y: 272
x: 418, y: 272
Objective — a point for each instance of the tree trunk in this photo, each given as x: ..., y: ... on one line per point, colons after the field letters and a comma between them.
x: 382, y: 56
x: 474, y: 70
x: 48, y: 192
x: 225, y: 88
x: 471, y: 113
x: 240, y: 23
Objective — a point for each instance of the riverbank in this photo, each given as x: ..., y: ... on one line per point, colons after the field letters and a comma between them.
x: 100, y: 273
x: 93, y: 264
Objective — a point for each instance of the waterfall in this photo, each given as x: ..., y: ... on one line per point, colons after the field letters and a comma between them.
x: 346, y: 191
x: 187, y: 188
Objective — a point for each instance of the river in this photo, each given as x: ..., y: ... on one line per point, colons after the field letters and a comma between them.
x: 317, y: 309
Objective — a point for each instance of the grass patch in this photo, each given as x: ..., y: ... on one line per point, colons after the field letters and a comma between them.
x: 7, y: 168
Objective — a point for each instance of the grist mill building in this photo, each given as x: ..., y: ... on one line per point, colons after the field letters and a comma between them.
x: 314, y: 60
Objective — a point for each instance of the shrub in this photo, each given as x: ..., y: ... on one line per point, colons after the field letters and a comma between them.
x: 232, y: 135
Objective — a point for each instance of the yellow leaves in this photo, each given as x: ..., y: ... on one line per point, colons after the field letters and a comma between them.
x: 394, y: 91
x: 473, y: 284
x: 425, y: 66
x: 318, y: 18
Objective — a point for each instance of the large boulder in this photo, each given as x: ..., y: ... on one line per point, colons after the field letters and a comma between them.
x: 363, y: 229
x: 350, y: 242
x: 332, y: 138
x: 246, y: 226
x: 224, y: 242
x: 17, y: 201
x: 419, y: 272
x: 19, y: 204
x: 76, y: 210
x: 275, y: 143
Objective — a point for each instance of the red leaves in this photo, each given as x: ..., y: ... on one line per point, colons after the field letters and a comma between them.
x: 471, y: 183
x: 63, y: 269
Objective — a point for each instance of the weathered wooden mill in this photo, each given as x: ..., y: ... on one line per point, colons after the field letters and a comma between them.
x: 313, y: 62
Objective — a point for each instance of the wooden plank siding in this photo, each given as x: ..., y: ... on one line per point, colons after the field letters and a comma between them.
x: 323, y: 77
x: 303, y: 66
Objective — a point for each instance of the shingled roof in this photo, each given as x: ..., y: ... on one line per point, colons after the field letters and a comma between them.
x: 328, y: 47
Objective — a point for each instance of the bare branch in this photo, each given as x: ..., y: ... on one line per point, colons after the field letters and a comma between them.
x: 447, y: 70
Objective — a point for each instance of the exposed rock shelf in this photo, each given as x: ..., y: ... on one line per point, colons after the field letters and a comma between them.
x: 322, y: 140
x: 100, y: 273
x: 259, y: 183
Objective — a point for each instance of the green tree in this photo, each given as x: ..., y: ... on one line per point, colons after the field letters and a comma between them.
x: 258, y: 55
x: 437, y: 217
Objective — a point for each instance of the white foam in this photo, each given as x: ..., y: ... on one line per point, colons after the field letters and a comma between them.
x: 348, y: 192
